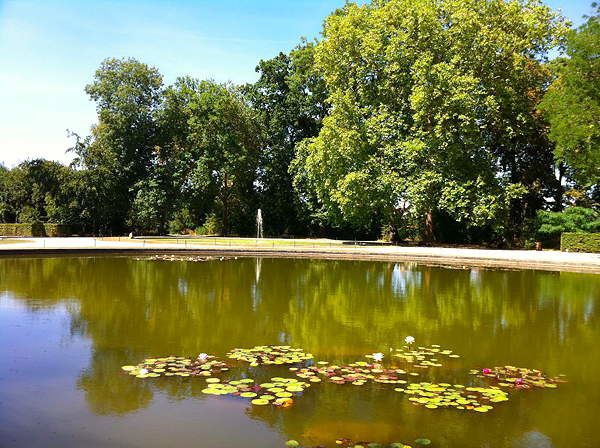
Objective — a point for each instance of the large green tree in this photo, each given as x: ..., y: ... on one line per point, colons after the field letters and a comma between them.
x: 119, y: 154
x: 38, y: 191
x: 289, y: 97
x: 207, y: 160
x: 572, y: 103
x: 433, y: 112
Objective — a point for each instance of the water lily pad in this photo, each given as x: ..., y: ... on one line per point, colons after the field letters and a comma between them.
x: 248, y: 394
x: 518, y: 377
x: 270, y: 354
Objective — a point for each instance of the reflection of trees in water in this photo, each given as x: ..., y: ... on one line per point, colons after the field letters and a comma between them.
x: 336, y: 309
x: 109, y: 393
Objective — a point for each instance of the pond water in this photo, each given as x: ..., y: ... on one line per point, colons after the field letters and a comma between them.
x: 67, y: 325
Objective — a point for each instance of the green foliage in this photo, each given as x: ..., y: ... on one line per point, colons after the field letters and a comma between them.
x: 432, y: 109
x: 209, y: 153
x: 572, y: 103
x: 289, y: 98
x: 211, y: 226
x: 38, y: 191
x: 573, y: 219
x: 181, y: 221
x: 119, y: 153
x: 580, y: 242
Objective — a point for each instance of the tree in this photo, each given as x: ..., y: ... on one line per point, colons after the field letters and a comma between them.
x: 119, y: 155
x: 290, y: 99
x: 5, y: 208
x: 572, y: 103
x: 210, y: 141
x: 34, y: 191
x: 433, y: 111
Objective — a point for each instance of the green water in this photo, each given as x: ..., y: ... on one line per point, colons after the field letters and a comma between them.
x: 68, y: 324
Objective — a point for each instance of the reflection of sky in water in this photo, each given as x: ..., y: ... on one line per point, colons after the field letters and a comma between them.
x: 211, y: 295
x: 533, y: 439
x: 256, y: 297
x: 284, y: 338
x: 182, y: 285
x: 402, y: 279
x: 588, y: 310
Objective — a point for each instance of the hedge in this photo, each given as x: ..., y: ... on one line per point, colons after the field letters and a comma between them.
x: 36, y: 229
x: 580, y: 242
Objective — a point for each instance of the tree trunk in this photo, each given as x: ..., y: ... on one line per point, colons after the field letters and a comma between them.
x: 429, y: 235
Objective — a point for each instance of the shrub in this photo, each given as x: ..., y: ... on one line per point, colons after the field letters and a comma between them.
x: 182, y: 221
x: 35, y: 229
x: 580, y: 242
x: 550, y: 225
x: 211, y: 226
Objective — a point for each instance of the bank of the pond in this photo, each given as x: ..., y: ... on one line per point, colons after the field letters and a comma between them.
x: 322, y: 248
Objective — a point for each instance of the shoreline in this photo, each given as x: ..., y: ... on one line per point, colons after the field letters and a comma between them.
x: 435, y: 256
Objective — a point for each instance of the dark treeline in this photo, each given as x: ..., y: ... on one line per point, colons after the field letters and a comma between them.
x: 436, y: 120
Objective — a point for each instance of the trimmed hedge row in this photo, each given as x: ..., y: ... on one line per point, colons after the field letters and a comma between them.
x: 580, y: 242
x: 36, y: 229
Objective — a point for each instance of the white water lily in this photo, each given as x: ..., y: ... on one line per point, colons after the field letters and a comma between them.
x: 377, y: 356
x: 409, y: 340
x: 203, y: 356
x: 143, y: 371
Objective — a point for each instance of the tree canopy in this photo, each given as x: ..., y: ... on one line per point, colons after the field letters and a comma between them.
x: 572, y: 103
x: 433, y: 110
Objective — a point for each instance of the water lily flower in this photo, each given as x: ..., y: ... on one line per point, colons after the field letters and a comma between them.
x: 202, y: 357
x: 143, y: 371
x: 519, y: 381
x: 487, y: 371
x: 409, y: 340
x: 377, y: 357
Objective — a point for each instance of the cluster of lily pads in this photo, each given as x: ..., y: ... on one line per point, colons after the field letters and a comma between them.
x: 424, y: 357
x: 456, y: 396
x: 518, y: 377
x: 348, y: 443
x: 357, y: 373
x: 278, y: 392
x: 176, y: 366
x: 270, y: 354
x: 281, y: 391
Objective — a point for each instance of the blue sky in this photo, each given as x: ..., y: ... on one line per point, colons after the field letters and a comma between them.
x: 50, y: 48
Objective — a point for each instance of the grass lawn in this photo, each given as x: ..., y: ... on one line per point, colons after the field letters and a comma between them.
x: 237, y: 241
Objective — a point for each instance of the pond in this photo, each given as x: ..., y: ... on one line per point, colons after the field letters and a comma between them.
x: 68, y: 325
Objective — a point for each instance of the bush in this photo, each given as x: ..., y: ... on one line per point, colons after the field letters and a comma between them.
x: 211, y: 226
x: 580, y: 242
x: 550, y: 225
x: 182, y: 222
x: 35, y: 229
